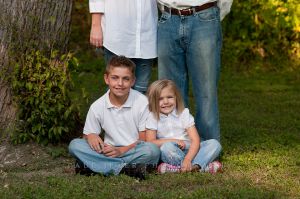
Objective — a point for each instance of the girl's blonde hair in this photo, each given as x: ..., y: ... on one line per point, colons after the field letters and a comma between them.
x: 154, y: 92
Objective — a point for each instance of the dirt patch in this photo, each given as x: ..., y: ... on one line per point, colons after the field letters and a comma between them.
x: 33, y: 159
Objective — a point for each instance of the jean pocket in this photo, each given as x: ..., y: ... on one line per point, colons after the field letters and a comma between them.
x: 163, y: 18
x: 209, y: 14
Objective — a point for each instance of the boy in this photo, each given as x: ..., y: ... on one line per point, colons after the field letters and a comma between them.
x: 127, y: 28
x: 121, y: 112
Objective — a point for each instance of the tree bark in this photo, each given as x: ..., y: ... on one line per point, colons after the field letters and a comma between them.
x: 26, y: 25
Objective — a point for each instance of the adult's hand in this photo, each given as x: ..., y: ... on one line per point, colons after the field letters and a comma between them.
x: 96, y: 35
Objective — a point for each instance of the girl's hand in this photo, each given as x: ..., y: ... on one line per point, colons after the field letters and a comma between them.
x: 181, y: 144
x: 186, y: 165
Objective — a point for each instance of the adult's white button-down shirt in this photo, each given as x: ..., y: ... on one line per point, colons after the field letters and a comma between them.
x: 224, y: 5
x: 129, y: 26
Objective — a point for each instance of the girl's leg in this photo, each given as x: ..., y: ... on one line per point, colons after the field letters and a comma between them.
x: 171, y: 153
x: 209, y: 151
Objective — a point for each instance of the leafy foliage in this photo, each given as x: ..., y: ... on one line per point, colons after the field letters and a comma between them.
x: 262, y: 29
x: 41, y: 87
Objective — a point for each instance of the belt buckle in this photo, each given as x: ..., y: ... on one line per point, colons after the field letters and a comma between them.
x: 190, y: 10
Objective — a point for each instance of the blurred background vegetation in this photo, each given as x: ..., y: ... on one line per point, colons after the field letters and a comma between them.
x: 261, y: 35
x: 265, y: 31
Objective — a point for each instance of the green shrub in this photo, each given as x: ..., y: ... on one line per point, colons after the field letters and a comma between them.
x: 41, y: 87
x: 262, y: 29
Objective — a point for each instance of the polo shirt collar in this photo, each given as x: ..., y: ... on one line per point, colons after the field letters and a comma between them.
x: 172, y: 114
x: 127, y: 104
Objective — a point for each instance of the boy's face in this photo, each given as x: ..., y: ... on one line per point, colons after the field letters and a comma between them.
x: 119, y: 80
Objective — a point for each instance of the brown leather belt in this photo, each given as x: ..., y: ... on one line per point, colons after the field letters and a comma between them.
x: 189, y: 11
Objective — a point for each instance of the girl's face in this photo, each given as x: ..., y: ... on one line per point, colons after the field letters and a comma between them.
x: 167, y: 100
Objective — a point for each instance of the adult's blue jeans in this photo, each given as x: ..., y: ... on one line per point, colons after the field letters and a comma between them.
x: 144, y: 152
x: 209, y: 151
x: 142, y: 71
x: 190, y: 47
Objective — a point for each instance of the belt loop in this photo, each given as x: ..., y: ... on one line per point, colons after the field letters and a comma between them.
x: 179, y: 12
x: 194, y: 10
x: 164, y: 8
x: 170, y: 10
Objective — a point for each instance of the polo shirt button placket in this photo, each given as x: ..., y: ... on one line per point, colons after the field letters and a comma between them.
x: 118, y: 115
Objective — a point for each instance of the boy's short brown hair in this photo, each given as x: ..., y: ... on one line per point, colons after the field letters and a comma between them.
x: 120, y: 61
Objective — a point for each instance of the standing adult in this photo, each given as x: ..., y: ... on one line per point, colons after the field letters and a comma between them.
x: 129, y: 28
x: 189, y: 46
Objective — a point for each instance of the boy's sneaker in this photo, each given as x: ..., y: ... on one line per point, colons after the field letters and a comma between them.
x: 214, y: 167
x: 137, y: 171
x: 81, y: 169
x: 151, y: 168
x: 168, y: 168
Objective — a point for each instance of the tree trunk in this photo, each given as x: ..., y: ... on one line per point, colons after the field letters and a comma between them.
x: 26, y: 25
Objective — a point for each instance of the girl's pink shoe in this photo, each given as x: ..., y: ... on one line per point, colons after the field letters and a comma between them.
x: 168, y: 168
x: 214, y: 167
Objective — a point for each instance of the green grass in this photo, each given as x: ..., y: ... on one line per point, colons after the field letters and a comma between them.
x: 157, y: 186
x: 260, y: 127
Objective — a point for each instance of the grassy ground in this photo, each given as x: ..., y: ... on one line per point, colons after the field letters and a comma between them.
x: 260, y: 125
x: 260, y: 129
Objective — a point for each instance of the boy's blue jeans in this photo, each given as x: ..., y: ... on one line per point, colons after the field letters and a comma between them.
x: 190, y: 46
x: 142, y: 71
x: 144, y: 152
x: 209, y: 151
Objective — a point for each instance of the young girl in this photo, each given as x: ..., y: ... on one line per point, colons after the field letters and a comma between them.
x: 171, y: 127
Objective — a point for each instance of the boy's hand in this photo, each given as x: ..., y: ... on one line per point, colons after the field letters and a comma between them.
x: 181, y: 144
x: 95, y: 142
x: 111, y: 151
x: 186, y: 165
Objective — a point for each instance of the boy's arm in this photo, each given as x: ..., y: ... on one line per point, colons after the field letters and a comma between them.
x: 193, y: 150
x: 142, y: 135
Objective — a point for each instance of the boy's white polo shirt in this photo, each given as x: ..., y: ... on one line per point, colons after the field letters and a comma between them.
x: 172, y: 126
x: 121, y: 124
